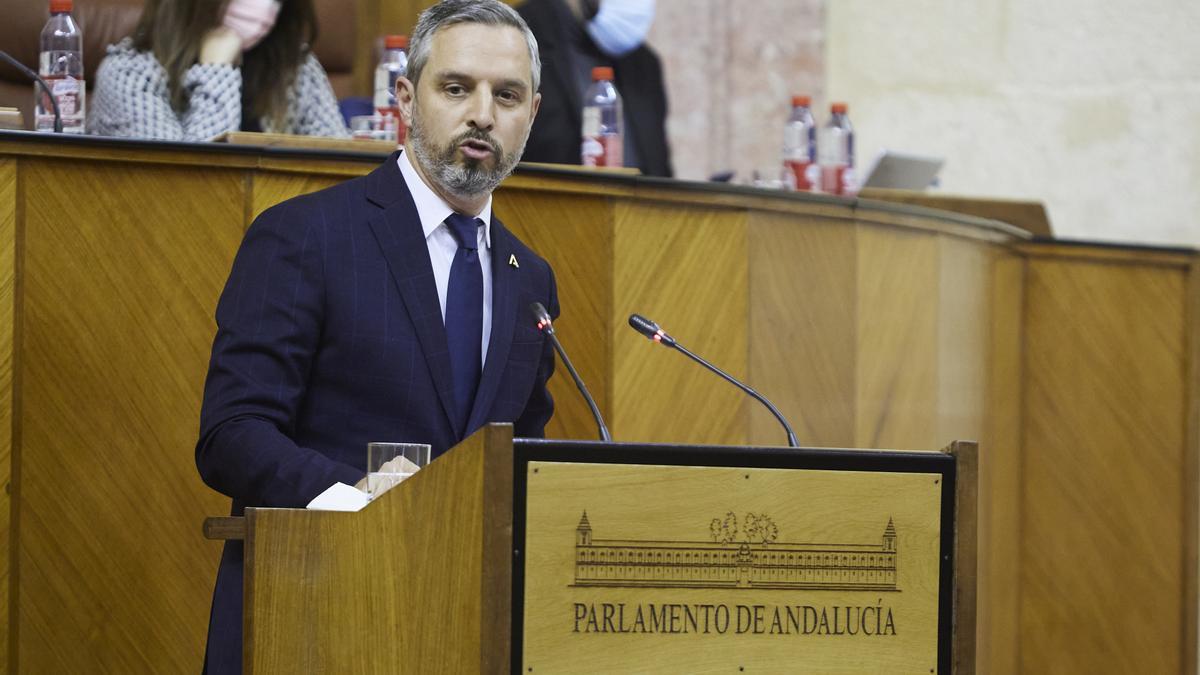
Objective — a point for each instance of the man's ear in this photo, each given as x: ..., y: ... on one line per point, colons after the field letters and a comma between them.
x: 533, y: 110
x: 406, y: 94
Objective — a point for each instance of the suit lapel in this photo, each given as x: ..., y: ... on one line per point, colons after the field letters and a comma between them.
x: 398, y: 230
x: 504, y: 317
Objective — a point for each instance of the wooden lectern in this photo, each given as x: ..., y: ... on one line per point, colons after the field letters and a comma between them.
x: 532, y: 556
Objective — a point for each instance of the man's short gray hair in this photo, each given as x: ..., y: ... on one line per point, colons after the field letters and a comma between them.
x: 450, y: 12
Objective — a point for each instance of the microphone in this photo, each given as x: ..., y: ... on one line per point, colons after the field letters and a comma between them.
x: 545, y: 325
x: 651, y: 330
x: 36, y: 78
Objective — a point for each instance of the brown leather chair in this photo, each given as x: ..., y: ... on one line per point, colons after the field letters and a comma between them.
x: 106, y: 21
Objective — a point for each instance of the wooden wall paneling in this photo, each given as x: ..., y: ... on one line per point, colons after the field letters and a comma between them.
x: 366, y: 51
x: 802, y: 328
x: 685, y: 267
x: 963, y: 312
x: 574, y: 234
x: 1191, y: 480
x: 1027, y: 215
x: 47, y: 147
x: 896, y: 339
x: 270, y: 188
x: 8, y: 316
x: 120, y: 280
x: 966, y: 558
x: 964, y: 298
x: 1102, y: 524
x: 1000, y: 473
x: 400, y: 16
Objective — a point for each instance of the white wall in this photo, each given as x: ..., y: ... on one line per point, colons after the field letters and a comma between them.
x: 1090, y: 107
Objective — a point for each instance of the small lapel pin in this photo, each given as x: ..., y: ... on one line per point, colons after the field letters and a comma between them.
x: 512, y: 260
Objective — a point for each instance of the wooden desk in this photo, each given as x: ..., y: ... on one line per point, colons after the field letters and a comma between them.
x: 868, y: 324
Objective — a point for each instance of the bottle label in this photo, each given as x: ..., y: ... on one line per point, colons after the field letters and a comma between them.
x: 385, y: 87
x: 602, y: 150
x: 68, y: 91
x: 838, y: 179
x: 71, y: 94
x: 393, y: 122
x: 803, y: 175
x: 591, y: 122
x: 799, y: 143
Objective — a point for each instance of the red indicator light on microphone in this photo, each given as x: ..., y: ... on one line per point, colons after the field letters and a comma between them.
x: 657, y: 337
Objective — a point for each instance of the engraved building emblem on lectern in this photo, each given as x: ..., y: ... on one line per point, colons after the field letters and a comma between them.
x: 740, y: 554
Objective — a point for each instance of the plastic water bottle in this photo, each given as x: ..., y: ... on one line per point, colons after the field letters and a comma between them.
x: 61, y: 66
x: 800, y: 146
x: 393, y: 65
x: 603, y: 141
x: 836, y: 146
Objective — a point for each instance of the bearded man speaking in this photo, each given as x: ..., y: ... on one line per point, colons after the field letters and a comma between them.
x: 387, y: 307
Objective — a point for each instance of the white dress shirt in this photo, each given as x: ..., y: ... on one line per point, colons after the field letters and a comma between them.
x: 433, y: 211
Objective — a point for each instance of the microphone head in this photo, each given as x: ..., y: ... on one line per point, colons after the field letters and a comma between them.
x: 542, y: 317
x: 643, y: 325
x: 650, y: 329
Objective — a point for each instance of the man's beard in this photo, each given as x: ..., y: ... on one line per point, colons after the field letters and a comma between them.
x: 470, y: 178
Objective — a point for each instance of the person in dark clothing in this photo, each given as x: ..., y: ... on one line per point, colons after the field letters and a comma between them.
x: 388, y: 306
x: 575, y: 36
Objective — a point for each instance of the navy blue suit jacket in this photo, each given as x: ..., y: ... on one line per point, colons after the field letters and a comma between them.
x: 330, y: 336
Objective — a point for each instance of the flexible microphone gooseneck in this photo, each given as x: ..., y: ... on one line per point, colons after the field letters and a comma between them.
x: 36, y: 78
x: 651, y: 330
x: 545, y: 325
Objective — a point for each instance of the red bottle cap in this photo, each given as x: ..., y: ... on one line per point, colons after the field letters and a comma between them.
x: 801, y: 101
x: 839, y: 108
x: 601, y: 73
x: 60, y: 6
x: 389, y: 41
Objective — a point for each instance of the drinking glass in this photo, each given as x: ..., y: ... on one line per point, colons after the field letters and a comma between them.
x: 388, y: 464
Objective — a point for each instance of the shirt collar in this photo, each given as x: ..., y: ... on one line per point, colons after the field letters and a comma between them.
x: 432, y: 209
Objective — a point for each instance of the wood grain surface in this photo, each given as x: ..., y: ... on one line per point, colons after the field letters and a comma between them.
x: 802, y: 329
x: 575, y: 235
x: 8, y: 463
x: 683, y: 267
x: 1102, y: 479
x: 963, y: 314
x: 120, y: 280
x: 1000, y: 503
x: 1190, y: 585
x: 896, y: 341
x: 966, y: 555
x: 322, y: 587
x: 267, y: 189
x: 398, y: 16
x: 1027, y: 215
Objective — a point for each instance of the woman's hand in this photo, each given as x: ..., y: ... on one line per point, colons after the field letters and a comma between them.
x: 221, y: 45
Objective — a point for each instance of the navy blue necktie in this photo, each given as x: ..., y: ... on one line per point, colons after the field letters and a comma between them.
x: 464, y: 314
